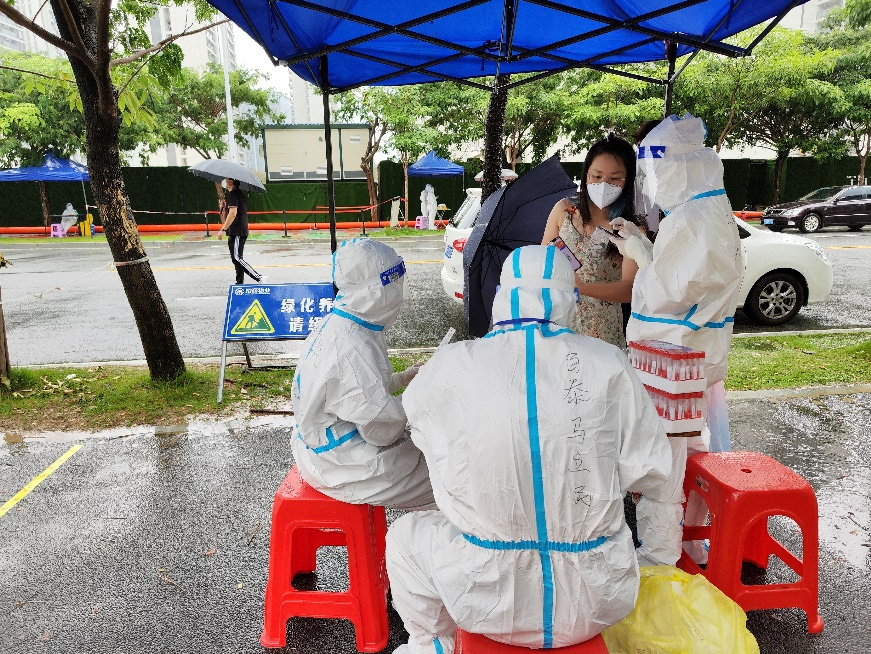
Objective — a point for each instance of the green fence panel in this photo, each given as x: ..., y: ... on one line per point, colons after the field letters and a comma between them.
x: 171, y: 196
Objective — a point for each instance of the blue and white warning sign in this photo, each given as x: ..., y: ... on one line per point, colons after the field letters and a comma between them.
x: 273, y: 312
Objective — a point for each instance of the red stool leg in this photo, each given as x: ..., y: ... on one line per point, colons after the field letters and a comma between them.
x: 278, y: 582
x: 366, y: 582
x: 303, y: 551
x: 757, y: 546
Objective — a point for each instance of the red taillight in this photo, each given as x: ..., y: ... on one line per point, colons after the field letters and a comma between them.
x: 459, y: 244
x: 459, y: 295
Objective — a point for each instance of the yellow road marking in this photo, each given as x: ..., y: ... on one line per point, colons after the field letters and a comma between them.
x: 279, y: 265
x: 36, y: 481
x: 848, y: 247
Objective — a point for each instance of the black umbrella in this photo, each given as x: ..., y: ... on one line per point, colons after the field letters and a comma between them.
x: 516, y: 217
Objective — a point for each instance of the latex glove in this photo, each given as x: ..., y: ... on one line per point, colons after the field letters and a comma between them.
x: 627, y: 228
x: 636, y: 249
x: 400, y: 379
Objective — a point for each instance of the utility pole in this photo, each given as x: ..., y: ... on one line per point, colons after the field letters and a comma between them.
x: 231, y: 132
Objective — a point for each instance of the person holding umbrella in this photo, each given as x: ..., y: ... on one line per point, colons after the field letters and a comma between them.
x: 234, y: 217
x: 604, y: 277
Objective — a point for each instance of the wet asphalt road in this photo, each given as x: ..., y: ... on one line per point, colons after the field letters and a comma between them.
x: 63, y: 303
x: 156, y: 541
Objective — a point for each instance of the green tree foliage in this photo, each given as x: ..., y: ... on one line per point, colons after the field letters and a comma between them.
x: 192, y: 113
x: 38, y: 109
x: 851, y: 73
x: 596, y: 103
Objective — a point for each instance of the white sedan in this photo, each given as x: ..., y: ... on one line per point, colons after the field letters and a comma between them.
x: 782, y: 272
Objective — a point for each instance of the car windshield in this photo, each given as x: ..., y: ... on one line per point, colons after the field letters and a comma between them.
x: 822, y: 193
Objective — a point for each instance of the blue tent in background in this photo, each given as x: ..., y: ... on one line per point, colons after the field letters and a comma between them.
x: 53, y: 170
x: 432, y: 165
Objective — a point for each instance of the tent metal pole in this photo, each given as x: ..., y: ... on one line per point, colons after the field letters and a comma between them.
x: 328, y: 145
x: 671, y: 54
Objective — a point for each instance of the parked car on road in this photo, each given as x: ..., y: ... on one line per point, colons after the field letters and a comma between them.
x: 782, y: 273
x: 825, y: 207
x: 456, y: 232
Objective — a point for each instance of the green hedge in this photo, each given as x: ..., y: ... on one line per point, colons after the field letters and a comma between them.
x: 174, y: 189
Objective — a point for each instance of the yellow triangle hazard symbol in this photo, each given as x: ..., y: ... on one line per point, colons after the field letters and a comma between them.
x: 253, y: 321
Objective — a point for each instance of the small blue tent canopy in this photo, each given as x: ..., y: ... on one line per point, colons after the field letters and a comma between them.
x: 432, y: 165
x: 53, y: 170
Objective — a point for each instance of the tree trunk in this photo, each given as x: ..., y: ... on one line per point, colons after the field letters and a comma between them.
x: 493, y: 153
x: 102, y: 124
x: 46, y: 206
x: 405, y: 177
x: 778, y: 171
x: 370, y: 183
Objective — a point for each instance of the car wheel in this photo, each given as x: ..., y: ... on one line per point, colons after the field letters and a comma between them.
x: 810, y: 223
x: 775, y: 299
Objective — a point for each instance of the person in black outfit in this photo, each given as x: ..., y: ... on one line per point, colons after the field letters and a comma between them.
x: 234, y: 213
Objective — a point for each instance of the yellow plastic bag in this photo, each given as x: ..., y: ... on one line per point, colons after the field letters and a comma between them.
x: 679, y: 613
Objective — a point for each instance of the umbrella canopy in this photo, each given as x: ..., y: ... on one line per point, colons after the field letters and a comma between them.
x: 432, y: 165
x: 516, y: 218
x: 218, y: 170
x: 507, y: 174
x: 53, y: 170
x: 372, y: 42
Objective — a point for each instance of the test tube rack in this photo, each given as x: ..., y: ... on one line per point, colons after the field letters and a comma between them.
x: 674, y: 376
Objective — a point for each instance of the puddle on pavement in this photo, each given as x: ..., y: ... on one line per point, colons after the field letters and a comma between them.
x: 845, y: 517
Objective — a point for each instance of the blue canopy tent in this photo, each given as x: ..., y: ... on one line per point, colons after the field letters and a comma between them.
x: 432, y: 165
x: 344, y: 44
x: 52, y: 170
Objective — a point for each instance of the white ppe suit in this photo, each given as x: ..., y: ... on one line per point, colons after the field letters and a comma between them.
x: 532, y: 434
x: 351, y: 440
x: 688, y: 292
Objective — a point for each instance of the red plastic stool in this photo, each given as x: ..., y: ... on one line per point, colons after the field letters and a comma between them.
x: 303, y: 520
x: 469, y: 643
x: 742, y: 489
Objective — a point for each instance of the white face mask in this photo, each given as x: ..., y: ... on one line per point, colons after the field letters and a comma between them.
x: 603, y: 194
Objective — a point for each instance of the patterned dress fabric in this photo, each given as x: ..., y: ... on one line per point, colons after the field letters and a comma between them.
x: 596, y: 318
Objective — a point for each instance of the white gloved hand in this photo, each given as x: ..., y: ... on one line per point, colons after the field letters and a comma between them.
x: 636, y: 249
x: 627, y: 228
x: 400, y: 379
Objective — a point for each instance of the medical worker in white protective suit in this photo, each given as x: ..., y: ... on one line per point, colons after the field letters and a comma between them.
x: 533, y: 435
x: 351, y: 439
x: 685, y: 293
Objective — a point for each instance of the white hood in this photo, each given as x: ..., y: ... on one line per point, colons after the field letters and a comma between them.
x: 370, y: 279
x: 674, y: 164
x: 537, y: 285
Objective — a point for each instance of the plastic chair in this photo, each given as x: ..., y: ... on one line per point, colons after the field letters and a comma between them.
x: 420, y: 222
x: 741, y: 490
x: 57, y: 230
x: 304, y: 520
x: 469, y: 643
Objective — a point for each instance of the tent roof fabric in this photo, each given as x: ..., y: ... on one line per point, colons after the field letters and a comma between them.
x: 432, y: 165
x: 372, y: 42
x: 53, y: 170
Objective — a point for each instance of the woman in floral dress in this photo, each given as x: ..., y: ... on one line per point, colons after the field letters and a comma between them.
x: 604, y: 278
